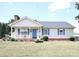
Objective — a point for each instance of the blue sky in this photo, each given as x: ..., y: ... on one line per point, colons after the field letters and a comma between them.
x: 33, y: 10
x: 38, y: 10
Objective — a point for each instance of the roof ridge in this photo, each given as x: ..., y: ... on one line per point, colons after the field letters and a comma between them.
x: 52, y: 21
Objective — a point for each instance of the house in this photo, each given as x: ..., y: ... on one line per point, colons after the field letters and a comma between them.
x: 29, y: 29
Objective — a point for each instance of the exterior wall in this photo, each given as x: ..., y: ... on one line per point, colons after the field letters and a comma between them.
x: 15, y: 34
x: 54, y: 33
x: 69, y: 32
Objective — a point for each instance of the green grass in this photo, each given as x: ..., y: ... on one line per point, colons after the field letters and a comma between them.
x: 51, y: 48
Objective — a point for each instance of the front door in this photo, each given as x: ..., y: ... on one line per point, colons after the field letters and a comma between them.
x: 34, y: 33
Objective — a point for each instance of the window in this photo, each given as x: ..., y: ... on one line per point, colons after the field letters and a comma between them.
x: 13, y: 29
x: 25, y: 32
x: 61, y: 31
x: 45, y: 31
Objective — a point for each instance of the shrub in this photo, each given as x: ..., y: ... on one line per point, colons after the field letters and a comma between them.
x: 8, y: 39
x: 45, y: 38
x: 39, y: 41
x: 72, y: 39
x: 5, y: 39
x: 12, y: 39
x: 16, y: 40
x: 21, y: 40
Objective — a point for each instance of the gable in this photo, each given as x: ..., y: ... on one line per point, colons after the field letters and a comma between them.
x: 25, y: 23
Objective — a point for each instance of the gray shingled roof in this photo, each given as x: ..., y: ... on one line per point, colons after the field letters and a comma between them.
x: 56, y: 24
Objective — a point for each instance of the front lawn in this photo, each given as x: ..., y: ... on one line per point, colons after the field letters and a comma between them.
x: 50, y: 48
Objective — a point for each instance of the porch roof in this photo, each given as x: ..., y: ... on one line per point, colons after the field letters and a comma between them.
x: 25, y: 22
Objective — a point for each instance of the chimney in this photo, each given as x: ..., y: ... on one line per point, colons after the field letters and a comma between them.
x: 16, y: 17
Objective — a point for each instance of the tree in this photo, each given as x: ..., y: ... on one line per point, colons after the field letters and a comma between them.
x: 0, y: 30
x: 3, y: 30
x: 8, y: 29
x: 77, y: 7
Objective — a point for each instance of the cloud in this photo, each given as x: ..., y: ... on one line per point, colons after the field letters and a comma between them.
x: 60, y: 5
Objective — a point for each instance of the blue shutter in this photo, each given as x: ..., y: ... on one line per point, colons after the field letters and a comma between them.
x: 18, y: 31
x: 48, y: 31
x: 58, y: 31
x: 64, y: 31
x: 42, y: 31
x: 28, y: 31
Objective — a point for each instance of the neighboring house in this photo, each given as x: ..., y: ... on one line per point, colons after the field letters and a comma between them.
x: 26, y: 28
x: 76, y: 36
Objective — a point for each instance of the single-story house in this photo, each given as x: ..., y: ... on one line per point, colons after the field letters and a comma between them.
x: 26, y: 28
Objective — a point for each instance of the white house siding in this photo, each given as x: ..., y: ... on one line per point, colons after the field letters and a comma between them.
x: 69, y: 32
x: 54, y: 33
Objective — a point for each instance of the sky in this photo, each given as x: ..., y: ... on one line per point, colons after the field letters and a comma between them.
x: 42, y: 11
x: 48, y: 11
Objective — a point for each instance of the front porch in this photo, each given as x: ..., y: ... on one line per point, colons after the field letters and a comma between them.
x: 26, y: 32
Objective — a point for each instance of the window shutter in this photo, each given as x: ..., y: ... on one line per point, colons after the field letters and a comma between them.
x: 18, y: 31
x: 48, y: 31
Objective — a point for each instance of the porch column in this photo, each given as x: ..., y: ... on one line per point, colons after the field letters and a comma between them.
x: 39, y: 32
x: 29, y: 32
x: 11, y: 31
